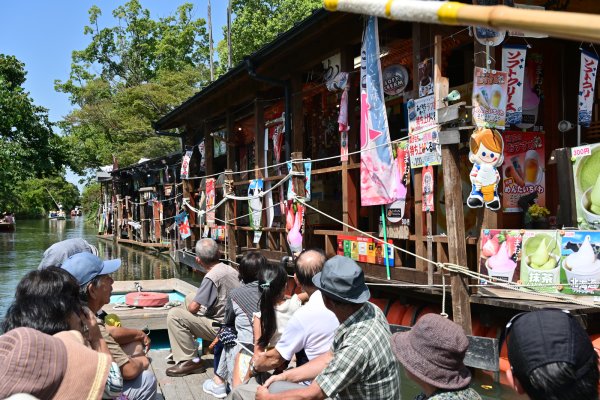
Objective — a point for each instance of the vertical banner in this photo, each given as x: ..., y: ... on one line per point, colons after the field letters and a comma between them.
x: 379, y: 181
x: 513, y: 63
x: 255, y: 188
x: 202, y: 151
x: 185, y: 164
x: 210, y: 201
x: 523, y: 168
x: 587, y: 83
x: 219, y: 144
x: 489, y: 98
x: 427, y: 189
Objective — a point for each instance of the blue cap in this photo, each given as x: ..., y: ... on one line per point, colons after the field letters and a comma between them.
x: 86, y: 266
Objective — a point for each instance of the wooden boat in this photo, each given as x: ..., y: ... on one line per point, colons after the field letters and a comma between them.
x: 57, y: 214
x: 148, y: 317
x: 76, y: 212
x: 7, y: 226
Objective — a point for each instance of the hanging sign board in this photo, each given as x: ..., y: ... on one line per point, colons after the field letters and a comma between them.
x: 421, y: 114
x: 395, y: 79
x: 424, y: 149
x: 489, y: 98
x: 425, y: 77
x: 513, y: 63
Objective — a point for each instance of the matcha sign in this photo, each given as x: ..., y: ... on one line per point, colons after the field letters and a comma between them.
x: 586, y: 176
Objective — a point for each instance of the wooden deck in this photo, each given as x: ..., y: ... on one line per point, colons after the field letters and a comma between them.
x: 181, y: 388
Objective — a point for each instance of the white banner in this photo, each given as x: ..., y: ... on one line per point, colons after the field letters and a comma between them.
x: 513, y: 63
x: 587, y: 83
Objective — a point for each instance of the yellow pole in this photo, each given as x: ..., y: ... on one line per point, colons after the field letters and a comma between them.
x: 565, y: 25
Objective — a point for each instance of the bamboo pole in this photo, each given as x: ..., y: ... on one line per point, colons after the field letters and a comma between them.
x: 560, y: 24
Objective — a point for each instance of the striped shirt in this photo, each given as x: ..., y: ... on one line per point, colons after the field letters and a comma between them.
x: 363, y: 365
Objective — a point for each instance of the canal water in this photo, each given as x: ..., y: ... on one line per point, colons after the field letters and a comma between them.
x: 21, y: 252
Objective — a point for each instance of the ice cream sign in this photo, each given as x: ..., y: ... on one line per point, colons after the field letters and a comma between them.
x: 489, y: 98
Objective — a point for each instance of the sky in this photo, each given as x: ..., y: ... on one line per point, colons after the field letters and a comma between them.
x: 42, y: 34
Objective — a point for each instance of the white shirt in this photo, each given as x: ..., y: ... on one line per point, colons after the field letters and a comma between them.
x: 311, y: 328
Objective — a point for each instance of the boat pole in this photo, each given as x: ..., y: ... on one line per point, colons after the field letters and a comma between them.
x: 560, y: 24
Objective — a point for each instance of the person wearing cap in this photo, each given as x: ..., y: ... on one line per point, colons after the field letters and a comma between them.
x: 432, y: 354
x: 551, y: 357
x: 201, y: 312
x: 127, y: 346
x: 56, y: 254
x: 51, y: 367
x: 360, y: 364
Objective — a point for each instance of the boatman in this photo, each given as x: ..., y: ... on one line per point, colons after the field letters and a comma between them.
x: 207, y: 307
x: 360, y: 364
x: 128, y: 347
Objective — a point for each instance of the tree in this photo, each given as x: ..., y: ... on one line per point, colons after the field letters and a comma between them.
x: 91, y: 200
x: 145, y: 68
x: 258, y: 22
x: 34, y: 200
x: 28, y: 146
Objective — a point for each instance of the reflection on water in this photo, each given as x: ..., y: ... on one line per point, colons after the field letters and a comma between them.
x: 21, y: 252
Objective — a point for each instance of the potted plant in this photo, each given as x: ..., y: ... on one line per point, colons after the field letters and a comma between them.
x: 537, y: 217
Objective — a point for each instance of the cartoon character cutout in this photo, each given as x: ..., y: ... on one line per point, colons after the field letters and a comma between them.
x: 486, y: 154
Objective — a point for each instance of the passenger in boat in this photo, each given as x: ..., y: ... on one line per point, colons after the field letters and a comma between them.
x: 206, y: 307
x: 51, y: 367
x: 432, y: 354
x: 308, y: 334
x: 237, y: 324
x: 360, y: 364
x: 48, y: 301
x: 551, y: 357
x: 56, y: 254
x: 128, y: 347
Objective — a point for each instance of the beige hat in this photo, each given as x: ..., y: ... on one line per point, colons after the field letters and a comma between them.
x: 51, y: 367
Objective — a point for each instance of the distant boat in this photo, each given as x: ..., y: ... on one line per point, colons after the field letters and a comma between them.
x: 76, y: 212
x: 60, y: 214
x: 7, y: 223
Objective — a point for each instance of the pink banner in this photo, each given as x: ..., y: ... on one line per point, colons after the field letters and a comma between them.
x: 210, y: 201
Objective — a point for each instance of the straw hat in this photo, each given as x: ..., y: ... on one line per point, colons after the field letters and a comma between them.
x: 51, y: 367
x: 434, y: 350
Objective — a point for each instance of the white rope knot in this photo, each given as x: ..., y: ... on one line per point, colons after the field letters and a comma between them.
x: 441, y: 266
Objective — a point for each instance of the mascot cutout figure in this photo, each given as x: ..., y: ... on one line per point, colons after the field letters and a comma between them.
x: 486, y: 154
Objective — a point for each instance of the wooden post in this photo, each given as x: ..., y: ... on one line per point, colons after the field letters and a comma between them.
x: 119, y: 216
x: 297, y: 115
x: 567, y: 216
x: 230, y: 214
x: 455, y: 220
x: 130, y: 216
x: 259, y: 138
x: 144, y: 233
x: 298, y: 181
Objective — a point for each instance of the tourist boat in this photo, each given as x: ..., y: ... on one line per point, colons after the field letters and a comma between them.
x: 60, y: 214
x: 7, y: 224
x: 76, y: 212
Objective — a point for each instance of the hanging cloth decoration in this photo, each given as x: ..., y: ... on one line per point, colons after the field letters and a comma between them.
x: 487, y: 154
x: 343, y: 118
x: 202, y: 150
x: 255, y: 188
x: 295, y: 215
x: 291, y: 194
x: 201, y: 207
x: 185, y: 164
x: 427, y: 189
x: 183, y: 225
x: 277, y: 137
x: 378, y: 184
x: 210, y: 201
x: 587, y: 84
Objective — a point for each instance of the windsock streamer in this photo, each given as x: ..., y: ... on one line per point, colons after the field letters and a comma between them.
x: 560, y: 24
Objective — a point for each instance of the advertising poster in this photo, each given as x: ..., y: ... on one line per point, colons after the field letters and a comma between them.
x: 587, y: 84
x: 500, y: 253
x: 424, y: 149
x: 523, y: 170
x: 210, y: 201
x: 489, y: 98
x: 395, y: 212
x: 426, y: 77
x: 220, y: 147
x: 378, y: 172
x: 540, y: 260
x: 580, y: 267
x: 421, y: 114
x: 586, y: 177
x: 513, y: 63
x: 364, y: 249
x: 255, y: 188
x: 395, y: 79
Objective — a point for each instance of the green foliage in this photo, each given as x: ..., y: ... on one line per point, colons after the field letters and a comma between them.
x: 258, y: 22
x: 28, y: 146
x: 33, y: 199
x: 91, y: 199
x: 127, y: 77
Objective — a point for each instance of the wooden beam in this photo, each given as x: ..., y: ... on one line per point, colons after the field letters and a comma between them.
x: 297, y: 116
x: 259, y: 138
x: 567, y: 216
x: 229, y: 215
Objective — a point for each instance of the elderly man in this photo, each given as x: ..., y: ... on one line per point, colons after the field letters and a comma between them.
x: 207, y: 307
x: 361, y: 364
x: 309, y: 332
x: 127, y: 346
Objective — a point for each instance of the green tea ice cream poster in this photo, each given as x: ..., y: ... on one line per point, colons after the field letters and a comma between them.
x: 586, y: 177
x: 540, y: 260
x: 580, y: 266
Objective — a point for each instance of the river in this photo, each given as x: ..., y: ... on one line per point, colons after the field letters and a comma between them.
x: 21, y: 252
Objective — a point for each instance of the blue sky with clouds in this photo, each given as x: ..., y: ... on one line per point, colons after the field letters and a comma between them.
x: 42, y: 34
